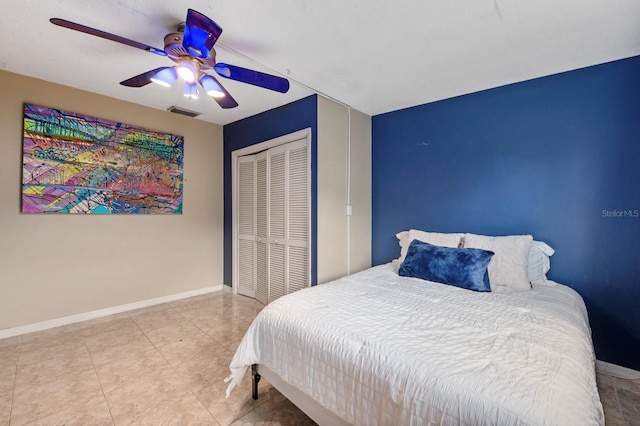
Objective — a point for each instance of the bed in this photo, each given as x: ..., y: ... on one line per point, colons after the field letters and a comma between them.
x: 378, y: 348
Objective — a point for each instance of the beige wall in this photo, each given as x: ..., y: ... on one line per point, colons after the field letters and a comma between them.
x: 344, y: 244
x: 360, y: 226
x: 52, y: 266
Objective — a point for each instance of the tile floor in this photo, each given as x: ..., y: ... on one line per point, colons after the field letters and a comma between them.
x: 165, y: 365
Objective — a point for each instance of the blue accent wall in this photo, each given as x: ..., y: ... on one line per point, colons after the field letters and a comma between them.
x: 268, y: 125
x: 557, y: 157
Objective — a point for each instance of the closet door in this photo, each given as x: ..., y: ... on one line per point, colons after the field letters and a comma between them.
x: 262, y: 255
x: 273, y: 221
x: 277, y: 222
x: 298, y: 215
x: 288, y: 218
x: 247, y: 225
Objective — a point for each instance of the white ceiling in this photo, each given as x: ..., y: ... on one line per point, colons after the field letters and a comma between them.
x: 375, y: 56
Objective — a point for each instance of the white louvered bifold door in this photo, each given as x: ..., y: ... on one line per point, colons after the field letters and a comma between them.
x: 277, y: 221
x: 273, y: 221
x: 298, y: 200
x: 246, y: 225
x: 262, y: 255
x: 288, y: 218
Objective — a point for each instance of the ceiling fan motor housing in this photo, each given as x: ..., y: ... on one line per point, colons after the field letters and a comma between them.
x: 175, y: 50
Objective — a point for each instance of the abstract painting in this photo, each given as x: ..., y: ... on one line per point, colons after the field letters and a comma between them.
x: 78, y: 164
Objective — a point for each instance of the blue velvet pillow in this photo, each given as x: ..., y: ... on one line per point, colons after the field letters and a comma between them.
x: 461, y: 267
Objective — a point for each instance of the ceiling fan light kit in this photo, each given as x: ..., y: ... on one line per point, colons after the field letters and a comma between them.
x: 190, y: 90
x: 211, y: 86
x: 191, y: 48
x: 187, y: 72
x: 165, y: 77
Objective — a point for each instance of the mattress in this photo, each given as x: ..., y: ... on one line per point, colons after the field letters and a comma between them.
x: 379, y: 349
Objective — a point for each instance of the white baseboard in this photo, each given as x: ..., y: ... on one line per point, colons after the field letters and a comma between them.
x: 45, y: 325
x: 617, y: 370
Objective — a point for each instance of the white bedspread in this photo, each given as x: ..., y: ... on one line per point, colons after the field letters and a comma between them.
x: 379, y: 349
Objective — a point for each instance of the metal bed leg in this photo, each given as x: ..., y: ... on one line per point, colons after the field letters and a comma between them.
x: 255, y: 378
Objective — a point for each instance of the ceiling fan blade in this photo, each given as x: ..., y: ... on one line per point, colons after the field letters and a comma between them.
x: 200, y: 34
x: 98, y: 33
x: 256, y: 78
x: 142, y: 79
x: 227, y: 101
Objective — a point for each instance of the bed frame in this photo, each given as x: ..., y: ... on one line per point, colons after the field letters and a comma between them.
x: 308, y: 405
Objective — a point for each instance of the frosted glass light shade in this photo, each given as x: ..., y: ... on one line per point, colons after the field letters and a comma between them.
x: 211, y: 86
x: 191, y: 90
x: 165, y: 77
x: 187, y: 72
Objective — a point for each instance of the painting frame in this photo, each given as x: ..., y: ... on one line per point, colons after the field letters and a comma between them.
x: 78, y: 164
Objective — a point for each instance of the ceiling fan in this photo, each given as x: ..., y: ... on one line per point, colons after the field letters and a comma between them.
x: 191, y: 48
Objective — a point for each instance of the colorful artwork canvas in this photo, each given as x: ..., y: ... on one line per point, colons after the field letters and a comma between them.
x: 78, y: 164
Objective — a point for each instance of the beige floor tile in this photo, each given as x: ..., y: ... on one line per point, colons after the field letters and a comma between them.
x: 226, y: 317
x: 150, y: 309
x: 280, y: 412
x: 225, y: 335
x: 632, y: 386
x: 204, y: 324
x: 112, y: 338
x: 233, y: 344
x: 10, y: 342
x: 69, y: 335
x: 248, y: 312
x: 198, y: 302
x: 106, y: 324
x: 203, y: 318
x: 228, y: 308
x: 172, y: 332
x: 186, y: 348
x: 630, y: 406
x: 209, y: 367
x: 220, y: 307
x: 225, y: 338
x: 33, y: 402
x: 7, y: 381
x: 182, y: 412
x: 94, y: 414
x: 50, y: 368
x: 9, y: 351
x: 34, y: 354
x: 134, y: 368
x: 227, y: 410
x: 5, y: 409
x: 609, y: 398
x: 135, y: 400
x: 8, y: 357
x: 236, y: 324
x: 152, y: 319
x: 253, y: 302
x: 133, y: 346
x: 231, y: 336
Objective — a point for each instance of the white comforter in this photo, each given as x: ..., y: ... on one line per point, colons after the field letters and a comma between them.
x: 379, y: 349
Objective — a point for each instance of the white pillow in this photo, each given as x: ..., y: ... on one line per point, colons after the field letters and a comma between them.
x: 435, y: 238
x: 403, y: 240
x: 509, y: 264
x: 402, y: 237
x: 539, y: 264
